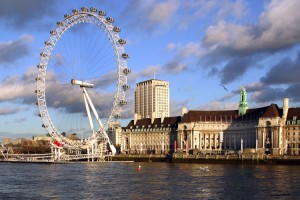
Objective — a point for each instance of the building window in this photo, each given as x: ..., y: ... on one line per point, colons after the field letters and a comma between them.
x: 294, y: 117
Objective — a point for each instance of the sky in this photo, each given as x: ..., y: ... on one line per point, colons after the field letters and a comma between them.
x: 199, y: 47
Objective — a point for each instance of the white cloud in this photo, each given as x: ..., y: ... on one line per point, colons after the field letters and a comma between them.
x: 219, y: 105
x: 7, y: 111
x: 280, y: 23
x: 162, y: 12
x: 229, y: 8
x: 191, y: 49
x: 18, y: 87
x: 171, y: 46
x: 174, y: 67
x: 150, y: 14
x: 176, y: 106
x: 277, y: 28
x: 149, y: 71
x: 12, y: 51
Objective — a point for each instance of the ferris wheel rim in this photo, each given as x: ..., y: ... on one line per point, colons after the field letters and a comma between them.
x: 83, y: 16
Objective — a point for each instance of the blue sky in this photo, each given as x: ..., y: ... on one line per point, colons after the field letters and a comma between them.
x: 197, y: 46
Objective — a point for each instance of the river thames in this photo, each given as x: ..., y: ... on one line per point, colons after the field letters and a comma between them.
x: 153, y: 181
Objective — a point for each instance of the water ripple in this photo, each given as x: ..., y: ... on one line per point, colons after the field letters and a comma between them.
x: 153, y: 181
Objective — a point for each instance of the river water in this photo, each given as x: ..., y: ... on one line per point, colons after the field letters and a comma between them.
x: 152, y: 181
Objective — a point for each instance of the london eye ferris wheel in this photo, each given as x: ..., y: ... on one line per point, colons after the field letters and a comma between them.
x: 82, y: 77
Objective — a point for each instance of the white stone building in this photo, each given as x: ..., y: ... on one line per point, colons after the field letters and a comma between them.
x: 115, y: 133
x: 150, y: 135
x: 264, y: 130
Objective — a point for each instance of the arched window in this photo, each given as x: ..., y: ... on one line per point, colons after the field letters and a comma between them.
x: 185, y: 133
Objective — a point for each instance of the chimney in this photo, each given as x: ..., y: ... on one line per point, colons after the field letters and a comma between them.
x: 285, y: 107
x: 163, y: 114
x: 183, y: 111
x: 136, y: 117
x: 152, y: 117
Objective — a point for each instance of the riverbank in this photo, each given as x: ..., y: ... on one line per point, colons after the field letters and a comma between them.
x: 212, y: 159
x: 183, y: 158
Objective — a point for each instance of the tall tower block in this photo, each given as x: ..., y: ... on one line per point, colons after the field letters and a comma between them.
x: 243, y: 105
x: 152, y: 99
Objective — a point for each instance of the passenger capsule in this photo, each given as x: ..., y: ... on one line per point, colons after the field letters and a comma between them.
x: 53, y: 32
x: 48, y: 43
x: 126, y: 71
x: 92, y: 9
x: 102, y: 13
x: 60, y: 23
x: 125, y: 55
x: 75, y: 11
x: 117, y: 116
x: 43, y: 54
x: 125, y: 87
x: 110, y: 19
x: 122, y: 41
x: 67, y: 16
x: 122, y: 102
x: 84, y: 9
x: 38, y: 79
x: 116, y: 29
x: 39, y: 115
x: 45, y: 126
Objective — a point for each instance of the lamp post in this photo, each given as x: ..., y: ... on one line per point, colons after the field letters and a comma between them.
x: 242, y: 145
x: 221, y: 140
x: 175, y: 146
x: 268, y: 145
x: 256, y: 140
x: 162, y: 144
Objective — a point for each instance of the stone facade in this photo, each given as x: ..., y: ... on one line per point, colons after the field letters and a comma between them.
x: 209, y: 131
x: 150, y: 135
x: 291, y: 132
x: 115, y: 133
x: 264, y: 130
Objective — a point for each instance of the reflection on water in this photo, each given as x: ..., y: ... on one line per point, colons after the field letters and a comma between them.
x: 153, y: 181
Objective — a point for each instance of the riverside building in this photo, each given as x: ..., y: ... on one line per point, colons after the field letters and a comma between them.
x: 150, y: 135
x: 264, y: 130
x: 152, y: 98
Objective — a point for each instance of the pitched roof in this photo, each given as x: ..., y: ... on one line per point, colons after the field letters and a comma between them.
x: 205, y: 115
x: 216, y: 116
x: 272, y: 111
x: 293, y: 112
x: 227, y: 115
x: 146, y: 122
